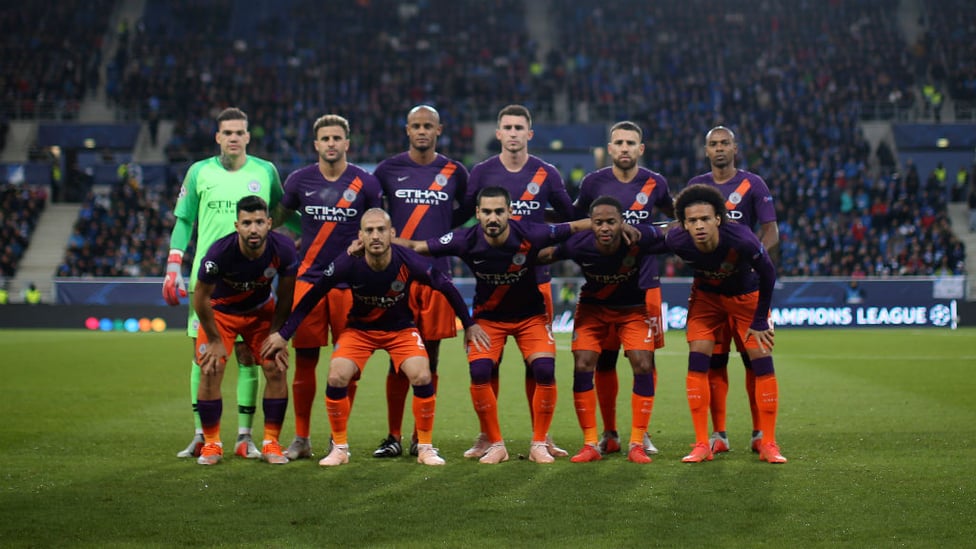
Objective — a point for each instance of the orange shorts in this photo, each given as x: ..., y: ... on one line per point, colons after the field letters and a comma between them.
x: 593, y: 323
x: 655, y: 322
x: 709, y: 314
x: 546, y: 290
x: 358, y: 345
x: 432, y: 312
x: 723, y: 340
x: 331, y: 312
x: 253, y: 327
x: 532, y: 335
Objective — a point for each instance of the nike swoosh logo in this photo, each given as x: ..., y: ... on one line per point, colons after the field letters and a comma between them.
x: 479, y: 261
x: 404, y: 178
x: 358, y: 286
x: 310, y: 193
x: 588, y: 264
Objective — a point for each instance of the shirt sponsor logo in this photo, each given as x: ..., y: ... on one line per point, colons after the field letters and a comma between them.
x: 522, y: 207
x: 634, y: 217
x: 501, y: 279
x: 331, y: 213
x: 421, y: 196
x: 734, y: 215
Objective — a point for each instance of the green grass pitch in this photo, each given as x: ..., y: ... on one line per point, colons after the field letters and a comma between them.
x: 878, y: 426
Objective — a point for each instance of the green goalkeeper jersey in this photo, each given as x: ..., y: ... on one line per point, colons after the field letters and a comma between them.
x: 210, y: 194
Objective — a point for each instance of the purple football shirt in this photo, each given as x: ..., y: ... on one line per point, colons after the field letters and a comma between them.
x: 243, y: 284
x: 647, y: 190
x: 747, y: 197
x: 507, y: 285
x: 330, y: 212
x: 422, y: 199
x: 612, y: 280
x: 380, y: 299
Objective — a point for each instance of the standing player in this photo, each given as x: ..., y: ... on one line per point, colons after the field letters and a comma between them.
x: 733, y: 286
x: 208, y: 198
x: 422, y: 189
x: 611, y: 302
x: 532, y: 183
x: 380, y: 318
x: 749, y: 202
x: 331, y: 196
x: 502, y: 255
x: 639, y: 190
x: 233, y: 298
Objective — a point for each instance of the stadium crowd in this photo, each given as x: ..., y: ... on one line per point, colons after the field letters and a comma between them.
x: 52, y: 53
x: 786, y: 79
x: 20, y: 208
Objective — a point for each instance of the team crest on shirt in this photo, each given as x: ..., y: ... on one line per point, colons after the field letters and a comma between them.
x: 210, y: 268
x: 269, y: 272
x: 349, y: 195
x: 254, y: 186
x: 727, y: 267
x: 397, y: 286
x: 533, y: 188
x: 441, y: 179
x: 330, y: 270
x: 641, y: 198
x: 519, y: 259
x: 735, y: 198
x: 446, y: 239
x: 629, y: 261
x: 202, y: 348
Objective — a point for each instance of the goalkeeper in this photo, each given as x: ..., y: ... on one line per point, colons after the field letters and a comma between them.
x: 209, y: 196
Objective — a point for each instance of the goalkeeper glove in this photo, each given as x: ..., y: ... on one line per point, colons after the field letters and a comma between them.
x: 173, y: 286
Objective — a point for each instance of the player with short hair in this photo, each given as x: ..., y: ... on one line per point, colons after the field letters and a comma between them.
x: 502, y: 252
x: 749, y: 202
x: 532, y: 183
x: 233, y: 299
x: 611, y: 302
x: 422, y: 189
x: 208, y: 198
x: 733, y: 286
x: 380, y: 318
x: 331, y: 196
x: 640, y: 191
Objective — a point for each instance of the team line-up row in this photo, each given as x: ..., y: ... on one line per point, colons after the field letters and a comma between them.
x: 371, y: 268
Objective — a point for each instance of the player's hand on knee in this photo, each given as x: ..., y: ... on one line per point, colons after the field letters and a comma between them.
x: 272, y: 346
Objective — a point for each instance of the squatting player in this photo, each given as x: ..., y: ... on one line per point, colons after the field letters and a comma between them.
x: 639, y: 190
x: 502, y: 255
x: 233, y: 298
x: 749, y: 202
x: 733, y: 286
x: 611, y: 302
x: 422, y: 189
x: 208, y: 198
x: 331, y: 196
x: 532, y: 183
x: 380, y: 318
